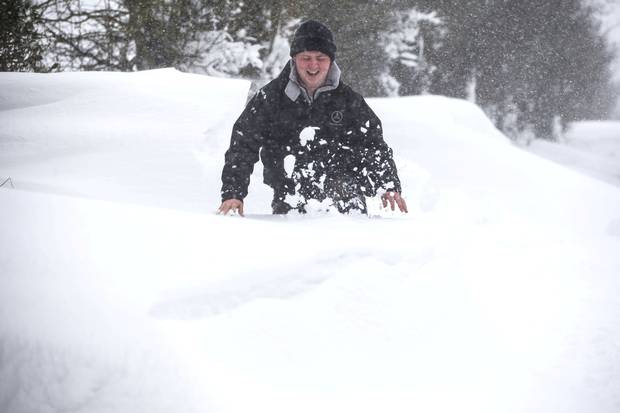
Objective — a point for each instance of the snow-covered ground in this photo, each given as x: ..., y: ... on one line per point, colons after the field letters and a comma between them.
x: 592, y: 148
x: 122, y: 291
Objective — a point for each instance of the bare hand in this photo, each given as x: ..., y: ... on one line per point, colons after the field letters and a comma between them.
x: 394, y: 197
x: 229, y: 205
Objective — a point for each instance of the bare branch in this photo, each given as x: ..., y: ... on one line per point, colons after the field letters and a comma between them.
x: 9, y: 181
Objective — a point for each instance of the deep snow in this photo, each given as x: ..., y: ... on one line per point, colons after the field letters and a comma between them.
x: 591, y: 147
x: 122, y: 291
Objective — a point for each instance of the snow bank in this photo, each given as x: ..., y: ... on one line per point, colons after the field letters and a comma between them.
x: 592, y: 148
x: 498, y: 292
x: 117, y: 136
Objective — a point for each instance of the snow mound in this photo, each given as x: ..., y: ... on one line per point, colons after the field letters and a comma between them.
x: 111, y: 89
x: 117, y: 136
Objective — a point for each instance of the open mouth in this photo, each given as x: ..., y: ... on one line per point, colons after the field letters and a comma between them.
x: 312, y: 74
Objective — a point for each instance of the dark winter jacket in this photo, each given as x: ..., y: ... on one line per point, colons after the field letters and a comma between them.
x: 348, y: 140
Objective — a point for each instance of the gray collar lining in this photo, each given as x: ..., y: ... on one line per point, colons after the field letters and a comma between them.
x: 294, y: 87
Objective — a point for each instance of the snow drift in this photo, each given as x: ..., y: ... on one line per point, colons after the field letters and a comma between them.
x: 122, y: 291
x: 590, y: 147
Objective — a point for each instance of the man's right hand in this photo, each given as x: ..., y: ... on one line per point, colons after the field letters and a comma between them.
x: 233, y: 205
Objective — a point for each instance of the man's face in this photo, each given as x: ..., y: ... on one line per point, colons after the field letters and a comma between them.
x: 312, y: 68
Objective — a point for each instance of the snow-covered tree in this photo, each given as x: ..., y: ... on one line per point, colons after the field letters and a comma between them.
x: 406, y: 44
x: 534, y: 65
x: 217, y: 53
x: 126, y: 35
x: 530, y: 64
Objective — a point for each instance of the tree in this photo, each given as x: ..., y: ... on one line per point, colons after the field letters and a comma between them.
x: 248, y: 33
x: 531, y: 65
x: 563, y: 60
x: 86, y: 36
x: 408, y: 42
x: 20, y: 47
x: 358, y: 29
x: 192, y: 35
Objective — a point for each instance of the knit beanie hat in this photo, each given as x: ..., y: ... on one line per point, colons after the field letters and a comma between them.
x: 313, y: 36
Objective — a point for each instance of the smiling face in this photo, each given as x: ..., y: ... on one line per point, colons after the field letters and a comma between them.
x: 312, y: 68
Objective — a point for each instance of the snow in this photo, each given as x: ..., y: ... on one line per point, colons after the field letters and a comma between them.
x: 590, y: 147
x: 289, y: 164
x: 307, y: 135
x: 121, y: 290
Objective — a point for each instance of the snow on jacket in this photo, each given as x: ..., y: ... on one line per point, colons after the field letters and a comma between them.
x: 346, y: 138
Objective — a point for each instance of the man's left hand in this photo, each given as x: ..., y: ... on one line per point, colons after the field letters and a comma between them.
x: 394, y: 198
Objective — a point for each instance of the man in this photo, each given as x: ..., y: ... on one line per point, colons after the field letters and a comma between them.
x: 317, y: 138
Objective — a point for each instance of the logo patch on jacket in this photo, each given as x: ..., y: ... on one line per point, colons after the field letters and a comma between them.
x: 336, y: 117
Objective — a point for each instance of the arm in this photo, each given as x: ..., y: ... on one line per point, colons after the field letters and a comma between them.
x: 377, y: 160
x: 242, y: 154
x: 377, y: 156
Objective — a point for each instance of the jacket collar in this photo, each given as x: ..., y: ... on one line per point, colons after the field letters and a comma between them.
x: 295, y: 87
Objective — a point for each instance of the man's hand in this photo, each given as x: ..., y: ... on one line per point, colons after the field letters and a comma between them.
x: 394, y: 197
x: 233, y: 205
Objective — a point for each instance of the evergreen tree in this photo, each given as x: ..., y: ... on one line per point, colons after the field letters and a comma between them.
x: 162, y: 30
x: 531, y: 65
x: 20, y: 48
x: 456, y: 59
x: 410, y: 45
